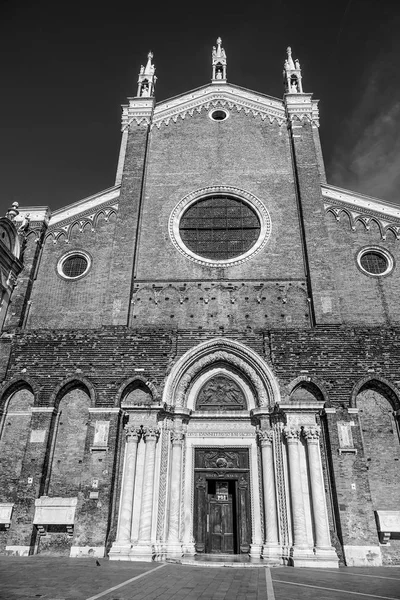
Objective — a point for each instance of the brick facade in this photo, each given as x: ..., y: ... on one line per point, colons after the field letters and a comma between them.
x: 73, y: 352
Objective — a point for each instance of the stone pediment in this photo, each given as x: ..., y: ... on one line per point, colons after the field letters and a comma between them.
x: 358, y: 208
x: 224, y: 95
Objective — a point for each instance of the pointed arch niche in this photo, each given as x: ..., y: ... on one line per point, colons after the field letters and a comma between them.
x: 378, y: 405
x: 14, y: 433
x: 68, y: 440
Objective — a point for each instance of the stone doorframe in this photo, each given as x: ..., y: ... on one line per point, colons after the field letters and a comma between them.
x: 246, y: 440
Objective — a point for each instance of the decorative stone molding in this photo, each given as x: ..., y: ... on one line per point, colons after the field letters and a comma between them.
x: 222, y: 350
x: 362, y: 209
x: 86, y: 220
x: 138, y: 112
x: 177, y: 437
x: 150, y: 433
x: 312, y: 434
x: 132, y: 433
x: 265, y: 437
x: 254, y: 203
x: 291, y: 434
x: 211, y: 359
x: 301, y: 107
x: 219, y: 96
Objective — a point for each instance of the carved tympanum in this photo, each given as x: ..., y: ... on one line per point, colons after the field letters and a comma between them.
x: 221, y: 393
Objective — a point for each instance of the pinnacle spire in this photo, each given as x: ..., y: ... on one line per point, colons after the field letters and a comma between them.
x: 292, y: 74
x: 147, y: 79
x: 219, y: 63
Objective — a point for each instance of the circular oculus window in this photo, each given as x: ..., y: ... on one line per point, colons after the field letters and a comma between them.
x: 218, y: 114
x: 375, y: 261
x: 220, y: 228
x: 74, y: 265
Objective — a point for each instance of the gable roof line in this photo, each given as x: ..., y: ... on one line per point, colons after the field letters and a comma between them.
x: 360, y: 201
x: 213, y: 94
x: 66, y: 212
x: 219, y: 85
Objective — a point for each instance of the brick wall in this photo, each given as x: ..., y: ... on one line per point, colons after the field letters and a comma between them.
x: 196, y: 152
x: 60, y: 303
x: 362, y: 298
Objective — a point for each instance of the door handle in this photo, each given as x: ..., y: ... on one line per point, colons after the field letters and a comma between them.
x: 208, y: 523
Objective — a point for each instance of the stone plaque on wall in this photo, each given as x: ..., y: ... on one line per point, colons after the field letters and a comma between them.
x: 38, y: 435
x: 345, y: 436
x: 101, y: 433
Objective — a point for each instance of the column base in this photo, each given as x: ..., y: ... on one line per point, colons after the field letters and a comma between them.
x: 255, y: 550
x: 189, y: 549
x: 142, y: 552
x: 272, y: 554
x: 326, y: 558
x: 302, y: 557
x: 173, y: 550
x: 120, y: 551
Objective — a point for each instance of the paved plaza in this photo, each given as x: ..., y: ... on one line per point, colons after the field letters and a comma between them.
x: 46, y: 578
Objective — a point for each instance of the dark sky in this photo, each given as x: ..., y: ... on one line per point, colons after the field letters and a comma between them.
x: 66, y: 67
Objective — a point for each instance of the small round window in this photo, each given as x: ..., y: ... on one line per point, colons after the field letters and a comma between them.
x: 219, y: 115
x: 375, y: 261
x: 219, y: 227
x: 74, y: 265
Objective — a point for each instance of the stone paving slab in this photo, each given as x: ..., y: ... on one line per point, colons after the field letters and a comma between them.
x: 47, y: 578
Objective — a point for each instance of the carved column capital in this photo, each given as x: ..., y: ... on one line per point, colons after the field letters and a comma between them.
x: 150, y: 433
x: 292, y: 434
x: 177, y: 437
x: 265, y: 437
x: 132, y: 433
x: 311, y: 434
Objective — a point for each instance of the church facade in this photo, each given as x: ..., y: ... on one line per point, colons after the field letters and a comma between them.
x: 204, y: 358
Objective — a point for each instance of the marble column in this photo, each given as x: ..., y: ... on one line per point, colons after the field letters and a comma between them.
x: 174, y: 547
x: 323, y: 547
x: 144, y: 549
x: 122, y: 543
x: 300, y: 552
x: 271, y: 547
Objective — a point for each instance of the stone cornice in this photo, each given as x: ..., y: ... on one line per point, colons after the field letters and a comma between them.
x: 362, y: 209
x: 83, y: 206
x: 139, y: 111
x: 302, y: 107
x: 85, y: 213
x: 225, y: 95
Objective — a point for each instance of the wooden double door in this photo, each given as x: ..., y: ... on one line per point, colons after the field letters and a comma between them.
x: 222, y: 519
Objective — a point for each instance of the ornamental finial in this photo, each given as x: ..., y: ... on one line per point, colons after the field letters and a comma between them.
x: 147, y: 79
x: 292, y: 74
x: 219, y: 63
x: 13, y: 211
